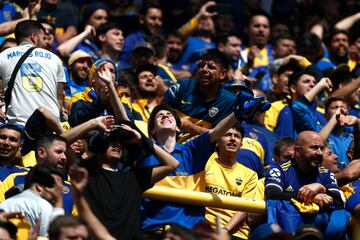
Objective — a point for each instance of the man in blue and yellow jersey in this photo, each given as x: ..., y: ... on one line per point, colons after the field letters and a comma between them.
x: 50, y: 150
x: 225, y: 176
x: 192, y: 156
x: 10, y: 144
x: 258, y: 54
x: 302, y: 177
x: 203, y: 102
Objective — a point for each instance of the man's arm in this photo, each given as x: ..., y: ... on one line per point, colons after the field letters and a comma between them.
x: 349, y: 174
x: 324, y: 83
x: 222, y: 127
x: 347, y: 89
x: 104, y: 123
x: 346, y: 23
x: 117, y: 105
x: 167, y: 165
x: 67, y: 47
x: 29, y: 13
x: 60, y: 95
x: 69, y: 33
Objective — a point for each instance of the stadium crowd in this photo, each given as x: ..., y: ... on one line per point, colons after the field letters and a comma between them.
x: 102, y: 100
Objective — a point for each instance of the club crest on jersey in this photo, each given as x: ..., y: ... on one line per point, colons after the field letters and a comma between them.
x: 213, y: 111
x: 238, y: 181
x: 253, y: 136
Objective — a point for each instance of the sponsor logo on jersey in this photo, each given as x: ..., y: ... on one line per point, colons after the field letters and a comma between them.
x: 275, y: 172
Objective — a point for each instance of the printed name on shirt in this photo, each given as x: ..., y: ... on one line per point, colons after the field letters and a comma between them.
x: 34, y: 53
x: 217, y: 190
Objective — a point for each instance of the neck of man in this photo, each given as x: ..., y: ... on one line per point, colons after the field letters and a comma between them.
x: 5, y: 162
x: 210, y: 92
x: 108, y: 52
x: 227, y: 159
x: 107, y: 163
x: 167, y: 140
x: 305, y: 168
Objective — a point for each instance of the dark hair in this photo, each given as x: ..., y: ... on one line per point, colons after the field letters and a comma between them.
x: 25, y: 28
x: 12, y: 127
x: 174, y: 33
x: 105, y: 27
x: 93, y: 7
x: 260, y: 13
x: 283, y: 37
x: 145, y: 7
x: 159, y: 44
x: 285, y: 141
x: 309, y: 42
x: 216, y: 56
x: 7, y: 40
x: 339, y: 76
x: 331, y: 100
x: 290, y: 66
x: 158, y: 108
x: 224, y: 38
x: 41, y: 173
x: 46, y: 140
x: 333, y: 33
x: 63, y: 221
x: 10, y: 228
x: 239, y: 128
x: 294, y: 78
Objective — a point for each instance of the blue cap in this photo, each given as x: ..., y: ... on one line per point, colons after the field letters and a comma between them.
x: 21, y: 128
x: 267, y: 230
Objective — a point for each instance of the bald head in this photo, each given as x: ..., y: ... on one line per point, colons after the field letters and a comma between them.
x: 306, y: 136
x: 308, y: 151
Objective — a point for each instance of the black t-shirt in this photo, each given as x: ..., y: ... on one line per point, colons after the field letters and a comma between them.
x: 115, y: 198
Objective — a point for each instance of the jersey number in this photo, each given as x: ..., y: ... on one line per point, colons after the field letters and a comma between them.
x: 30, y: 78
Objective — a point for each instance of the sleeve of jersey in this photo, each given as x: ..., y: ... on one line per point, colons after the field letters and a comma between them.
x: 330, y: 183
x: 82, y: 111
x: 34, y: 129
x: 274, y: 179
x: 250, y: 159
x: 302, y: 116
x: 250, y: 188
x: 60, y: 71
x: 200, y: 149
x: 172, y: 95
x: 284, y: 126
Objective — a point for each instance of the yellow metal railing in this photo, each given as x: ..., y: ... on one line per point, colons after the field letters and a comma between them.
x: 221, y: 201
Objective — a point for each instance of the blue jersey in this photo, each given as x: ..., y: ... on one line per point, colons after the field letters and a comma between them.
x: 339, y: 143
x: 188, y: 101
x: 192, y: 157
x: 195, y: 47
x: 355, y: 110
x: 255, y: 152
x: 306, y: 116
x: 6, y: 171
x: 129, y: 43
x: 9, y: 11
x: 289, y: 178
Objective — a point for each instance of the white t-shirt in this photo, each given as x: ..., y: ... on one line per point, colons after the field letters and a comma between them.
x: 33, y: 207
x: 35, y: 83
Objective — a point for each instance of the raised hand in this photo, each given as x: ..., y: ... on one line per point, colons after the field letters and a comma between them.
x: 326, y: 84
x: 105, y: 123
